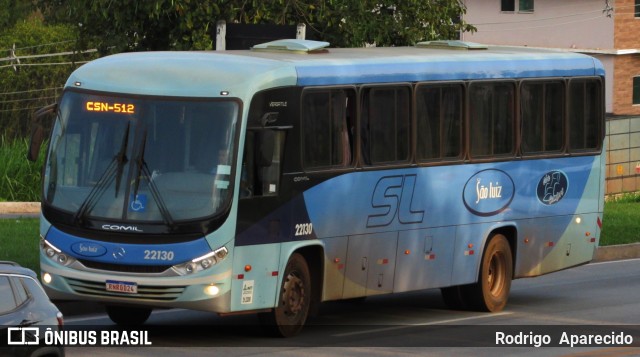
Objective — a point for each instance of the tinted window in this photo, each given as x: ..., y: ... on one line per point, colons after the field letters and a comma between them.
x: 542, y: 115
x: 385, y: 125
x: 20, y: 291
x: 491, y: 118
x: 439, y: 121
x: 327, y: 128
x: 585, y: 114
x: 7, y: 300
x: 508, y: 5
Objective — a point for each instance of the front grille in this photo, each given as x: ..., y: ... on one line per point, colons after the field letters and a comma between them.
x: 125, y: 268
x: 96, y: 288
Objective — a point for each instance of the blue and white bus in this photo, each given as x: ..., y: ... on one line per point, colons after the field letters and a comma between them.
x: 273, y: 179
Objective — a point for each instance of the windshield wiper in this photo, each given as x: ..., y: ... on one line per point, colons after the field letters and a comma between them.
x: 116, y: 166
x: 143, y: 171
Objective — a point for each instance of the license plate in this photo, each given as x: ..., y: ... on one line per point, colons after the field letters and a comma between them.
x: 126, y: 287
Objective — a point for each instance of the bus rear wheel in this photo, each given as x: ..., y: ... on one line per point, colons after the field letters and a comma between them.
x: 125, y: 315
x: 491, y: 291
x: 289, y: 317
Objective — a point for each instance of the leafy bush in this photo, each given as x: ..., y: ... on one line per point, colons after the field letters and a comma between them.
x: 19, y: 178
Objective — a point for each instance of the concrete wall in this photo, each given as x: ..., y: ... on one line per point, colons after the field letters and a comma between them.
x: 553, y: 23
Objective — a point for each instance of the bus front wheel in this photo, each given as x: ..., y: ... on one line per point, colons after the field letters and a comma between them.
x: 288, y: 318
x: 491, y: 291
x: 125, y: 315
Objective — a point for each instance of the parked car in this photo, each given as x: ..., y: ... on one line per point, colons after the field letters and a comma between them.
x: 23, y: 303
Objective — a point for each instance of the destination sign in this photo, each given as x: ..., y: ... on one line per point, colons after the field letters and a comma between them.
x: 121, y: 108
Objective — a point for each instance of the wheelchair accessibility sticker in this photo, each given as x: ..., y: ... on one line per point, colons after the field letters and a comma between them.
x: 138, y: 203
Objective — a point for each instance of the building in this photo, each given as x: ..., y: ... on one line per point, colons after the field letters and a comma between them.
x: 606, y: 29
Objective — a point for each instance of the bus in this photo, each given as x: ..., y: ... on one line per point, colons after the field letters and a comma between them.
x: 273, y: 179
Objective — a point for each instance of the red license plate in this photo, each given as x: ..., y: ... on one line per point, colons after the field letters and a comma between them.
x: 126, y: 287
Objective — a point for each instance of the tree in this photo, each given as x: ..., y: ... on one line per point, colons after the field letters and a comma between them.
x: 13, y: 11
x: 118, y: 26
x: 37, y: 80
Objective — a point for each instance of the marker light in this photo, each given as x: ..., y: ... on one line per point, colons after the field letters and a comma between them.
x: 212, y: 290
x: 47, y: 278
x: 578, y: 220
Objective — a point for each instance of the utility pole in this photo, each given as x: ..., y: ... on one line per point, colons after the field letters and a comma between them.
x: 14, y: 58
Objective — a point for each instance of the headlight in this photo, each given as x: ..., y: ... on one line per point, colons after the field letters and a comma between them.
x: 54, y: 253
x: 201, y: 263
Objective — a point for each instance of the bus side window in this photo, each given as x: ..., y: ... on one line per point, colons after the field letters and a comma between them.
x: 439, y: 121
x: 384, y: 125
x: 585, y: 115
x: 262, y: 162
x: 328, y: 121
x: 491, y: 118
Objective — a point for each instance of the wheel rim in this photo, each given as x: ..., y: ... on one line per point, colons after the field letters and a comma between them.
x: 496, y: 274
x: 293, y: 297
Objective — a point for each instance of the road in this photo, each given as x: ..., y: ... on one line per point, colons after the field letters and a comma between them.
x: 415, y: 323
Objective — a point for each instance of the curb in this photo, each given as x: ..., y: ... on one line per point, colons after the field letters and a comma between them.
x: 617, y: 252
x: 20, y: 208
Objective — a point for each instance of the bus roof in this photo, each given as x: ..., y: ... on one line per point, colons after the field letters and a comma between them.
x: 204, y: 73
x: 409, y: 64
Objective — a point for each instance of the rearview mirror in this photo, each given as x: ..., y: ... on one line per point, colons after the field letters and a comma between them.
x: 37, y: 131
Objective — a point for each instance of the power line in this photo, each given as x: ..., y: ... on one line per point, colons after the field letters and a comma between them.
x: 551, y: 18
x: 31, y: 91
x: 546, y: 25
x: 38, y: 46
x: 537, y: 19
x: 48, y: 55
x: 27, y: 99
x: 20, y: 109
x: 43, y: 64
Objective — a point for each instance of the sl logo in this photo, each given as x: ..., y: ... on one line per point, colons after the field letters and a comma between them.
x: 393, y: 196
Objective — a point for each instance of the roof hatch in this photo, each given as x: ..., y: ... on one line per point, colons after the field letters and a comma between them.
x: 452, y: 45
x: 293, y: 46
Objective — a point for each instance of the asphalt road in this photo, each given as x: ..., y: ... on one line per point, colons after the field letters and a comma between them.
x: 600, y: 298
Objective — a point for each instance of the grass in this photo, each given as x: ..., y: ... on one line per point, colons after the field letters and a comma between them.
x: 19, y: 178
x: 19, y: 238
x: 621, y: 222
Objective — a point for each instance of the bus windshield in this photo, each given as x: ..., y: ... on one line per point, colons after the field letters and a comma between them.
x: 144, y: 159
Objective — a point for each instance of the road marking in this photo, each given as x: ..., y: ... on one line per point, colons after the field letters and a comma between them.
x: 423, y: 324
x: 615, y: 261
x: 613, y: 352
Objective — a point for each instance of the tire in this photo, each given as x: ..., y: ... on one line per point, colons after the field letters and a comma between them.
x: 294, y: 300
x: 128, y: 316
x: 491, y: 291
